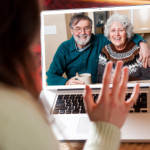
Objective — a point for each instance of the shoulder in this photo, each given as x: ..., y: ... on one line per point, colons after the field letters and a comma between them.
x: 68, y: 42
x: 99, y: 39
x: 131, y: 44
x: 67, y: 45
x: 17, y: 104
x: 132, y: 49
x: 22, y: 121
x: 97, y: 36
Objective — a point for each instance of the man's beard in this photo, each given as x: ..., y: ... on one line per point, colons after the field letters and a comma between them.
x: 80, y: 42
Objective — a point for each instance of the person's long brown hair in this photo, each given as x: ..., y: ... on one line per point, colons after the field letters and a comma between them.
x: 19, y: 26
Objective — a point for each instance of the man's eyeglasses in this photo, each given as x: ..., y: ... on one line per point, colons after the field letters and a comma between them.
x: 79, y: 30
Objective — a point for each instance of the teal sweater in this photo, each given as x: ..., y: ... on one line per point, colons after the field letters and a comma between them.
x: 67, y: 59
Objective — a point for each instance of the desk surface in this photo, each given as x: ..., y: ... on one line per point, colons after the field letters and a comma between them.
x: 123, y: 146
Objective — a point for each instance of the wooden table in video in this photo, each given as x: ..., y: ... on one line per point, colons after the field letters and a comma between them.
x: 123, y: 146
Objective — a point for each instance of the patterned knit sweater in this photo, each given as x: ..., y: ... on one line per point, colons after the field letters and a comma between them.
x: 130, y: 57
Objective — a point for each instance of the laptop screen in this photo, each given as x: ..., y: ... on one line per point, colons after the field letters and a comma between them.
x: 55, y: 30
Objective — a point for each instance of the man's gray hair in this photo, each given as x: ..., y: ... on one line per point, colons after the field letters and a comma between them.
x: 77, y: 18
x: 123, y: 20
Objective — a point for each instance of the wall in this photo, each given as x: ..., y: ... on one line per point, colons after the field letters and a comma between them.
x: 52, y: 41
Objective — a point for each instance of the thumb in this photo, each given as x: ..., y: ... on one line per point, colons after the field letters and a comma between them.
x: 88, y: 99
x: 77, y: 74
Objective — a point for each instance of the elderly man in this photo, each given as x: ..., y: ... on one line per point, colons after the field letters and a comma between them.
x: 80, y: 54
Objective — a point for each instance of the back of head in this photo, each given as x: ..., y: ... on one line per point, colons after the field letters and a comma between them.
x: 19, y: 26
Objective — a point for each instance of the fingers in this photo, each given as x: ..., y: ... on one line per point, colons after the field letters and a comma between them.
x: 145, y: 62
x: 149, y: 61
x: 123, y: 84
x: 74, y: 81
x: 133, y: 97
x: 77, y: 74
x: 88, y: 99
x: 116, y: 80
x: 106, y: 80
x: 140, y: 57
x: 148, y: 58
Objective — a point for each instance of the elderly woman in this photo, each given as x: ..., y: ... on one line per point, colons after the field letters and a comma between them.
x: 119, y: 31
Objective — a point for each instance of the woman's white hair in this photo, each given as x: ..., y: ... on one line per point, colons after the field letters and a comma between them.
x: 123, y: 20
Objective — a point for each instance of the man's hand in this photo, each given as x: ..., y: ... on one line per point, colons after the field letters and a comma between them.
x: 144, y: 54
x: 74, y: 81
x: 111, y: 106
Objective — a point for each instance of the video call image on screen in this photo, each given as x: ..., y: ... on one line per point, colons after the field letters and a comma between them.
x: 55, y: 28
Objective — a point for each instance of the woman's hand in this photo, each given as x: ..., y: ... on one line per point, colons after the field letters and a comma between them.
x: 144, y: 54
x: 111, y: 106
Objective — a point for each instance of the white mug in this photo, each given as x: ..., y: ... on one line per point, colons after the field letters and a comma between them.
x: 85, y: 77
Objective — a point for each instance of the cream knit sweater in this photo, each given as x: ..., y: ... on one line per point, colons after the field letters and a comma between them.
x: 22, y: 126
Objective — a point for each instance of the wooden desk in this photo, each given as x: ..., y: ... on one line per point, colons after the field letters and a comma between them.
x: 140, y: 81
x: 123, y: 146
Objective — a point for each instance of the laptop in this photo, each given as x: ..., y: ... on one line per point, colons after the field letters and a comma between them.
x: 74, y: 125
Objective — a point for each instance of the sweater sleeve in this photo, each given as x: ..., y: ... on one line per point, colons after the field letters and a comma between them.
x: 137, y: 39
x: 103, y: 136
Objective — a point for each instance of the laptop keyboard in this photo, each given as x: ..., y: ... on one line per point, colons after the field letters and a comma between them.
x: 73, y: 104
